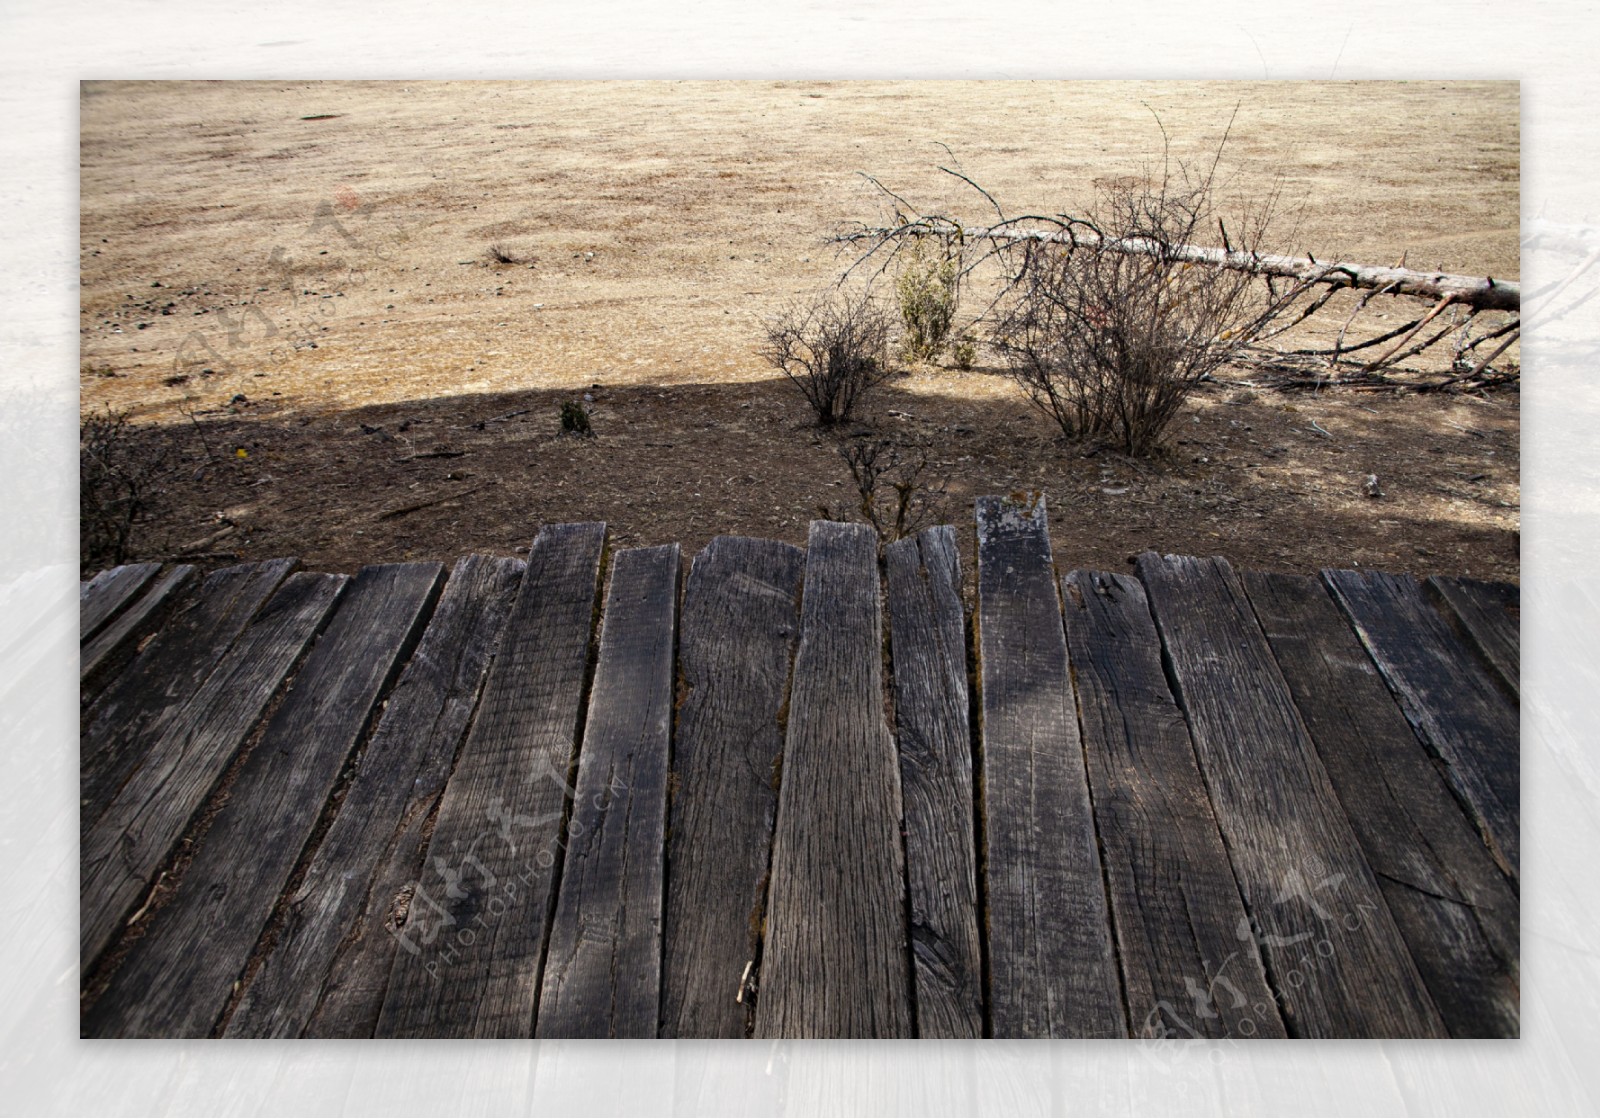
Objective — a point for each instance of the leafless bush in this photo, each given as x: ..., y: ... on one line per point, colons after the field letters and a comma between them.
x: 833, y: 347
x: 1108, y: 329
x: 898, y: 495
x: 121, y: 479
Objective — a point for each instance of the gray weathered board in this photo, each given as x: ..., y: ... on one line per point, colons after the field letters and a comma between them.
x: 817, y: 801
x: 325, y: 973
x: 479, y: 914
x: 108, y: 593
x: 1455, y: 702
x: 1052, y: 964
x: 928, y: 642
x: 1456, y: 910
x: 602, y: 972
x: 735, y: 649
x: 1173, y: 893
x: 834, y: 963
x: 178, y: 978
x: 1300, y: 869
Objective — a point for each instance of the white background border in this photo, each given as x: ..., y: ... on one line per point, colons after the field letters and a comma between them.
x: 46, y: 49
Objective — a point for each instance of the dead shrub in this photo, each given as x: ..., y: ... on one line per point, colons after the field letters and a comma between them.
x: 122, y: 477
x: 895, y: 487
x: 833, y: 347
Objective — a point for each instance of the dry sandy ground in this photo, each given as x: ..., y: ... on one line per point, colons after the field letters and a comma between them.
x: 305, y: 268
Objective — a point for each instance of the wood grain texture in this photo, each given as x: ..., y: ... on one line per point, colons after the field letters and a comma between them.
x: 1491, y: 613
x: 177, y: 979
x: 928, y: 642
x: 130, y: 841
x: 1052, y: 964
x: 835, y: 963
x: 113, y: 644
x: 1457, y: 912
x: 132, y: 710
x: 1173, y: 893
x: 109, y: 593
x: 1452, y: 698
x: 735, y: 649
x: 602, y: 972
x: 479, y: 913
x: 1334, y: 956
x: 326, y: 972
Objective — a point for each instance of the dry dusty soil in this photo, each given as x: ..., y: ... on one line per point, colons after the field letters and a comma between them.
x: 290, y: 289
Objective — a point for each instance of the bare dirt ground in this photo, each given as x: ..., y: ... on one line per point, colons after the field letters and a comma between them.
x: 289, y: 286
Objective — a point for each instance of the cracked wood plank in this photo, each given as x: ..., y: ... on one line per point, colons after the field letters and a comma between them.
x: 735, y: 649
x: 1300, y: 869
x: 602, y: 973
x: 1453, y: 700
x: 479, y: 914
x: 178, y: 978
x: 1052, y: 962
x: 1456, y: 910
x: 326, y: 972
x: 929, y: 650
x: 1491, y: 614
x: 130, y: 841
x: 1173, y: 893
x: 106, y: 595
x: 114, y: 644
x: 835, y: 961
x: 133, y: 708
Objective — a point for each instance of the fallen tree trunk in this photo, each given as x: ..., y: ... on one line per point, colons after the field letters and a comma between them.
x: 1481, y: 293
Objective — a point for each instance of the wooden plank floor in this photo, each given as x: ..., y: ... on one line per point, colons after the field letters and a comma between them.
x: 777, y: 792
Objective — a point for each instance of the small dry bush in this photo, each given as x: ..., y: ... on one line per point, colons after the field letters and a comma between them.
x: 896, y: 490
x: 122, y: 479
x: 1108, y: 341
x: 833, y: 347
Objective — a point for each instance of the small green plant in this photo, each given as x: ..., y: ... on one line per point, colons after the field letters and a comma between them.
x: 928, y: 288
x: 964, y: 352
x: 575, y: 419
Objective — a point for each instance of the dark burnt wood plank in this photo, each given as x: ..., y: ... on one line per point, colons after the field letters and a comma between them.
x: 1453, y: 700
x: 132, y: 710
x: 928, y: 642
x: 1457, y: 912
x: 1299, y: 866
x: 109, y: 593
x: 602, y: 971
x: 130, y: 841
x: 834, y: 963
x: 1052, y: 964
x: 1176, y: 904
x: 1492, y: 615
x: 735, y: 649
x: 325, y: 974
x: 113, y: 645
x: 479, y: 914
x: 178, y: 978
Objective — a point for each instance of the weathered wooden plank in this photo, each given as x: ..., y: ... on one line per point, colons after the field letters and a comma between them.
x: 108, y: 593
x: 1176, y: 903
x: 735, y: 649
x: 835, y: 960
x: 1457, y: 912
x: 479, y: 915
x: 325, y: 974
x: 1491, y: 614
x: 602, y: 972
x: 178, y: 978
x: 928, y: 639
x: 1333, y: 954
x: 101, y: 653
x: 125, y: 847
x: 1452, y: 699
x: 132, y: 711
x: 1052, y: 965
